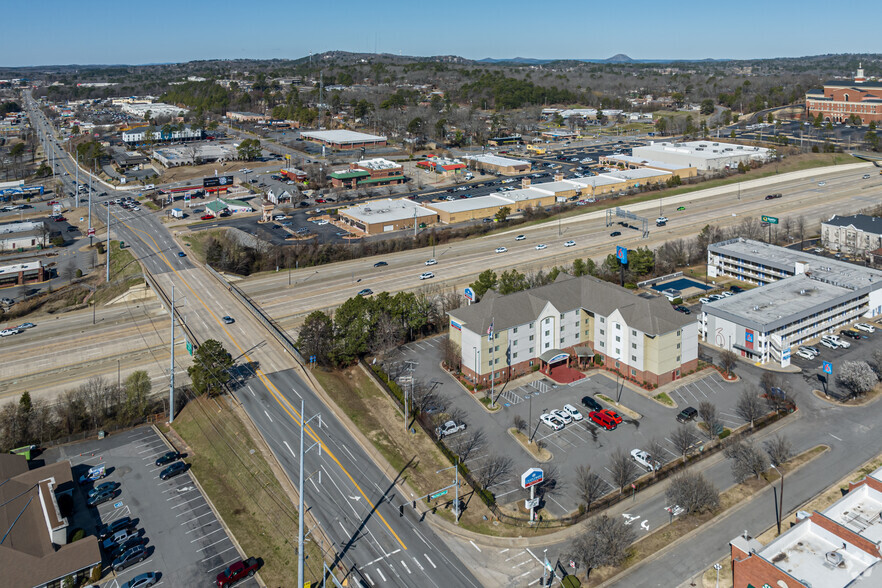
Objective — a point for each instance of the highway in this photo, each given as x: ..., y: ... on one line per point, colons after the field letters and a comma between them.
x: 327, y: 286
x: 353, y: 499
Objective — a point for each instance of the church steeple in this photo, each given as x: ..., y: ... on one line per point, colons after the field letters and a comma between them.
x: 860, y: 78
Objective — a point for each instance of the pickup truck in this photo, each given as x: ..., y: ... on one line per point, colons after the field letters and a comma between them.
x: 237, y: 571
x: 449, y: 428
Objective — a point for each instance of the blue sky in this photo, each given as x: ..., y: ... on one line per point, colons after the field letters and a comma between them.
x: 157, y: 31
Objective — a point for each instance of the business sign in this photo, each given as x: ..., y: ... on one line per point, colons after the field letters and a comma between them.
x: 470, y: 294
x: 217, y: 182
x: 559, y: 357
x: 531, y: 503
x: 828, y: 367
x: 769, y: 219
x: 532, y: 477
x: 622, y: 254
x: 456, y: 325
x: 748, y: 336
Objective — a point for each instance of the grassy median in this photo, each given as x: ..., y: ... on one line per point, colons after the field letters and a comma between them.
x: 232, y: 468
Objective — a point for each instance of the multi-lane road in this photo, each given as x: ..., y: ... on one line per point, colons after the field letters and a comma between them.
x: 356, y: 502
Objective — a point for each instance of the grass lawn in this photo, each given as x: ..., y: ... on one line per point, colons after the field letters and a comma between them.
x: 197, y: 240
x: 664, y: 399
x: 125, y: 272
x: 244, y: 489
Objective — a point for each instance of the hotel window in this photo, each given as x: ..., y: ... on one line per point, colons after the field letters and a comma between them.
x: 618, y: 339
x: 678, y: 358
x: 562, y: 340
x: 586, y: 321
x: 603, y: 320
x: 602, y: 332
x: 618, y: 327
x: 514, y: 355
x: 633, y: 372
x: 602, y: 344
x: 678, y: 346
x: 531, y: 349
x: 547, y: 345
x: 515, y: 331
x: 496, y: 348
x: 633, y: 332
x: 531, y: 337
x: 531, y: 325
x: 633, y: 358
x: 633, y: 346
x: 562, y: 314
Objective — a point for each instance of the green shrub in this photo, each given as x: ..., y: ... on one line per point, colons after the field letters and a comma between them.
x: 725, y: 433
x: 77, y: 535
x: 79, y: 273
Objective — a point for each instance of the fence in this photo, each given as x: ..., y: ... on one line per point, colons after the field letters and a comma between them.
x: 167, y: 304
x: 653, y: 281
x: 704, y: 450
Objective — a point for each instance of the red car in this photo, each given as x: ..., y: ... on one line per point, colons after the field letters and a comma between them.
x: 319, y: 200
x: 613, y: 415
x: 206, y: 217
x: 52, y: 203
x: 59, y: 219
x: 602, y: 418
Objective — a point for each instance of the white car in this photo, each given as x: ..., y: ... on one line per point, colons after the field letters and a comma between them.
x: 280, y: 217
x: 644, y: 459
x: 321, y: 223
x: 520, y: 237
x: 727, y: 294
x: 829, y: 344
x: 573, y: 412
x: 563, y: 415
x: 501, y: 250
x: 866, y: 176
x: 822, y: 183
x: 8, y: 332
x: 431, y: 262
x: 570, y: 244
x: 705, y: 300
x: 552, y: 421
x: 865, y: 327
x: 541, y: 246
x: 805, y: 354
x: 426, y: 275
x: 661, y: 219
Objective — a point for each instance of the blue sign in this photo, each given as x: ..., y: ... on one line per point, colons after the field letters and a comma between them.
x: 622, y: 254
x: 470, y: 294
x: 559, y: 357
x: 828, y: 367
x: 532, y: 477
x: 117, y: 504
x: 312, y: 359
x: 748, y: 336
x: 456, y: 325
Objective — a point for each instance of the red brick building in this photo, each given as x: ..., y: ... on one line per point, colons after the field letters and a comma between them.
x: 838, y: 100
x: 369, y: 172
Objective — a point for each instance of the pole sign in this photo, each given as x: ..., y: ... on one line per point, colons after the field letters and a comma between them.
x: 532, y: 477
x: 772, y: 220
x: 622, y: 254
x: 470, y: 294
x: 91, y: 232
x: 828, y: 367
x: 217, y: 182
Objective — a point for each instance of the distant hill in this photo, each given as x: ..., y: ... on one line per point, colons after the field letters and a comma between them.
x: 619, y: 58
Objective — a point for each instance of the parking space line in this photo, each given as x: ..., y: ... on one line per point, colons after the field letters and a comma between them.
x: 197, y: 528
x: 218, y: 553
x: 207, y: 534
x: 223, y: 565
x: 191, y: 511
x: 199, y: 517
x: 188, y: 501
x: 187, y: 491
x: 215, y: 543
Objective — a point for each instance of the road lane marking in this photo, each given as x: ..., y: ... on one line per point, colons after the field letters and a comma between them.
x: 271, y: 419
x: 475, y: 546
x: 430, y: 561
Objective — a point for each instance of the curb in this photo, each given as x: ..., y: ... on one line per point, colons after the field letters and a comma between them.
x: 521, y: 445
x: 210, y: 505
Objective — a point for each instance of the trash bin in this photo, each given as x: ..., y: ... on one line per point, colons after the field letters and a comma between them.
x: 101, y: 434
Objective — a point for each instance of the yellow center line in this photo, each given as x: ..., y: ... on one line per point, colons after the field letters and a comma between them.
x: 282, y: 402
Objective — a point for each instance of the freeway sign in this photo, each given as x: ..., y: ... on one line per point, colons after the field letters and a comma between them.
x: 189, y: 348
x: 437, y: 495
x: 769, y: 219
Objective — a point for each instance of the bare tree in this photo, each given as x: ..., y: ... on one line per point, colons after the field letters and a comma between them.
x: 451, y: 354
x: 728, y: 359
x: 606, y: 542
x: 708, y: 413
x: 427, y: 397
x: 657, y: 450
x: 589, y: 485
x: 769, y: 380
x: 800, y: 230
x: 750, y: 407
x: 779, y: 449
x: 622, y: 468
x: 693, y: 492
x: 464, y: 445
x: 857, y: 376
x: 552, y: 484
x: 495, y: 468
x: 747, y: 460
x: 519, y: 423
x: 682, y: 438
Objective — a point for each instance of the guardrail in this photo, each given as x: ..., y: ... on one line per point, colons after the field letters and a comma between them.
x: 256, y: 311
x: 167, y: 304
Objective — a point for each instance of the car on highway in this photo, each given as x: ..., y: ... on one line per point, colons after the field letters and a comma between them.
x: 431, y: 262
x: 8, y: 332
x: 167, y: 457
x: 589, y: 402
x: 141, y: 580
x: 573, y: 412
x: 181, y: 254
x: 130, y: 557
x: 24, y: 326
x: 552, y: 421
x: 822, y: 183
x: 773, y: 196
x: 520, y: 238
x: 866, y: 177
x: 179, y: 467
x: 615, y: 234
x: 602, y: 418
x: 687, y: 414
x: 570, y: 244
x: 661, y: 219
x: 541, y: 246
x: 865, y: 327
x: 228, y: 320
x: 365, y: 292
x: 427, y: 275
x: 681, y: 208
x: 501, y: 250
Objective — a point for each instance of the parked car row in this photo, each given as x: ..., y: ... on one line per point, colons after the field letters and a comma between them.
x: 557, y: 419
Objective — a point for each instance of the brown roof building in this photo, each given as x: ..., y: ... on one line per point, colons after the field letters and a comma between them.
x: 34, y: 548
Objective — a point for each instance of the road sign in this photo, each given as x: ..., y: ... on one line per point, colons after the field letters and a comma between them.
x: 470, y: 294
x: 531, y: 503
x: 769, y: 219
x: 532, y: 477
x: 190, y: 348
x: 437, y: 495
x: 622, y: 254
x: 828, y: 367
x: 91, y: 232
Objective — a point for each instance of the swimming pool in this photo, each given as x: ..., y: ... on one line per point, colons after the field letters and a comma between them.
x: 681, y: 284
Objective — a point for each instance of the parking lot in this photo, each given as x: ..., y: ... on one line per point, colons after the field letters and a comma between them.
x: 186, y: 544
x: 579, y: 443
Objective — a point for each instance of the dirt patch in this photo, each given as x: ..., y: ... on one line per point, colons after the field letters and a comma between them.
x: 535, y: 451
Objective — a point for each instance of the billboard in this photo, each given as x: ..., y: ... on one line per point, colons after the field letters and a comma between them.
x: 217, y: 181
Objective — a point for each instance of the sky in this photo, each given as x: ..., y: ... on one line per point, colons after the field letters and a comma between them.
x: 54, y: 32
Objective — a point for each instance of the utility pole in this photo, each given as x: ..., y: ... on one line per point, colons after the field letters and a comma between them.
x: 171, y: 387
x: 300, y: 538
x: 107, y: 248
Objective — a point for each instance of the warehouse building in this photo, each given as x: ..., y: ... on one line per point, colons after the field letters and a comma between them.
x: 631, y: 162
x: 369, y: 172
x: 23, y: 235
x: 834, y: 548
x: 702, y: 155
x: 569, y: 322
x: 387, y: 215
x: 195, y: 154
x: 467, y: 209
x: 636, y: 178
x: 343, y: 139
x: 857, y: 235
x: 498, y: 165
x: 803, y: 296
x: 839, y: 100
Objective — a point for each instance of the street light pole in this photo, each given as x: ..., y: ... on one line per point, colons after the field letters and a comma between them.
x: 718, y: 567
x: 780, y: 505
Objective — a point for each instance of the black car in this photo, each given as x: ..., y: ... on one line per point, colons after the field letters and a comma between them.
x: 380, y: 264
x: 129, y: 543
x: 132, y: 556
x: 687, y: 414
x: 683, y: 309
x: 615, y: 234
x: 852, y: 334
x: 589, y: 402
x: 118, y: 525
x: 102, y: 497
x: 167, y: 458
x: 173, y: 470
x: 736, y: 289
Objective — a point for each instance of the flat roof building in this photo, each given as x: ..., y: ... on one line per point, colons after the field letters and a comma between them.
x: 369, y: 172
x: 196, y: 154
x: 344, y: 139
x: 702, y: 155
x: 387, y: 215
x: 559, y: 135
x: 466, y: 209
x: 22, y: 273
x: 156, y: 109
x: 245, y: 116
x: 23, y: 235
x: 569, y: 321
x: 803, y: 296
x: 139, y: 135
x: 631, y: 162
x: 500, y: 165
x: 442, y: 165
